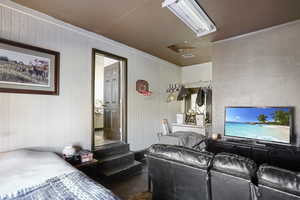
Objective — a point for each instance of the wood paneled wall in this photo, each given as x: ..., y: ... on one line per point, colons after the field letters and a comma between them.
x: 52, y: 122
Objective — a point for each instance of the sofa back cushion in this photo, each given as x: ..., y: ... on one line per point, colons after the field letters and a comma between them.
x: 181, y: 155
x: 234, y: 165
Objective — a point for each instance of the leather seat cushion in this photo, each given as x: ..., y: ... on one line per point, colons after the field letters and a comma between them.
x: 234, y: 165
x: 278, y: 178
x: 182, y: 155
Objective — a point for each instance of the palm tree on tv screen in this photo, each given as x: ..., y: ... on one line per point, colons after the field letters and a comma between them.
x: 262, y: 118
x: 281, y: 117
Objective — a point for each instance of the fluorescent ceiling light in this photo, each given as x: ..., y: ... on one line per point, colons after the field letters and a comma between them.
x: 188, y: 55
x: 192, y: 15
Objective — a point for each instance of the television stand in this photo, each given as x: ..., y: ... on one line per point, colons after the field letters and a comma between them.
x: 250, y: 142
x: 277, y: 155
x: 239, y: 141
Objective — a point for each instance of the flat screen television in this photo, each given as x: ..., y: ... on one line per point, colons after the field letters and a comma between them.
x: 270, y: 124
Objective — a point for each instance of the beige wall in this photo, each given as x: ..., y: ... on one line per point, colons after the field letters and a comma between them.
x: 55, y: 121
x: 194, y: 73
x: 259, y: 69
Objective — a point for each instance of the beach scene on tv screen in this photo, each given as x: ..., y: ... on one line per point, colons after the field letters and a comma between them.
x: 271, y: 124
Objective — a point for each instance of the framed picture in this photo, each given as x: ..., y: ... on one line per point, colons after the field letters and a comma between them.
x: 28, y: 69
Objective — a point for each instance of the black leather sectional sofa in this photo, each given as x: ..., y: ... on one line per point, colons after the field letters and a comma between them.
x: 179, y: 173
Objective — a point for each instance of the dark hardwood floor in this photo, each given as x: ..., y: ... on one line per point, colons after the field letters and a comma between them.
x: 125, y: 187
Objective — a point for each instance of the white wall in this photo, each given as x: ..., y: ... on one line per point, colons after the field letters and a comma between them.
x: 99, y: 78
x: 194, y: 73
x: 198, y: 72
x: 100, y: 63
x: 108, y: 61
x: 55, y: 121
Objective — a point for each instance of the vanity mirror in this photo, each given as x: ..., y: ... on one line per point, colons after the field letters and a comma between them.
x: 198, y: 102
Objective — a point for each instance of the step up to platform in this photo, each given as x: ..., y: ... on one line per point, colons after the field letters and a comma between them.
x: 115, y: 161
x: 124, y: 170
x: 110, y: 150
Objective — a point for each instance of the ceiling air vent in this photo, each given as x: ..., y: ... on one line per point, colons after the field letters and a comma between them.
x: 181, y: 48
x: 188, y: 55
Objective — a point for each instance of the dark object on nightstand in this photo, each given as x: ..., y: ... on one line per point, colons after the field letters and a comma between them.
x: 74, y: 160
x: 90, y: 168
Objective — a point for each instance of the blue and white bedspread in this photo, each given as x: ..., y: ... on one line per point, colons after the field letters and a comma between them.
x: 35, y: 175
x: 73, y: 186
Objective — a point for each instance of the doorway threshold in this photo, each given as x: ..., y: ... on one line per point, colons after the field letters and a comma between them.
x: 106, y: 142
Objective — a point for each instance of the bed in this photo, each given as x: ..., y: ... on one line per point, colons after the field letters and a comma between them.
x: 34, y: 175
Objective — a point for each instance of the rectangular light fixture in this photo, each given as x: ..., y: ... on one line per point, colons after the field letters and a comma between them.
x: 192, y: 15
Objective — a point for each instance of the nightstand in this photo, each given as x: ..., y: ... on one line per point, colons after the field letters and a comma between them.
x: 90, y: 168
x: 91, y: 163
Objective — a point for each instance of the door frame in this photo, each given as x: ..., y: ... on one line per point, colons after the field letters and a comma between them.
x: 123, y: 92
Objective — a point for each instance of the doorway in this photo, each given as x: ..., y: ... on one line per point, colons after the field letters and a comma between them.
x: 109, y: 94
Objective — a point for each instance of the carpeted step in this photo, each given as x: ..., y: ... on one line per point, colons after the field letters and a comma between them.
x: 123, y: 170
x: 109, y: 150
x: 115, y: 161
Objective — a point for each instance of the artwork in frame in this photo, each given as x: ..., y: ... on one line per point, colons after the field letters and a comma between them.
x: 28, y: 69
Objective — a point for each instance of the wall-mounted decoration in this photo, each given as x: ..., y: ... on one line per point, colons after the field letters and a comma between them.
x: 28, y: 69
x: 173, y: 88
x: 172, y: 92
x: 142, y: 87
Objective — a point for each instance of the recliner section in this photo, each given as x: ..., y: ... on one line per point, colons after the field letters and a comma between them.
x: 278, y: 184
x: 180, y: 173
x: 231, y: 177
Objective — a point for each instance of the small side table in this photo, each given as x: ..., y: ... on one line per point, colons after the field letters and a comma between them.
x: 90, y: 168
